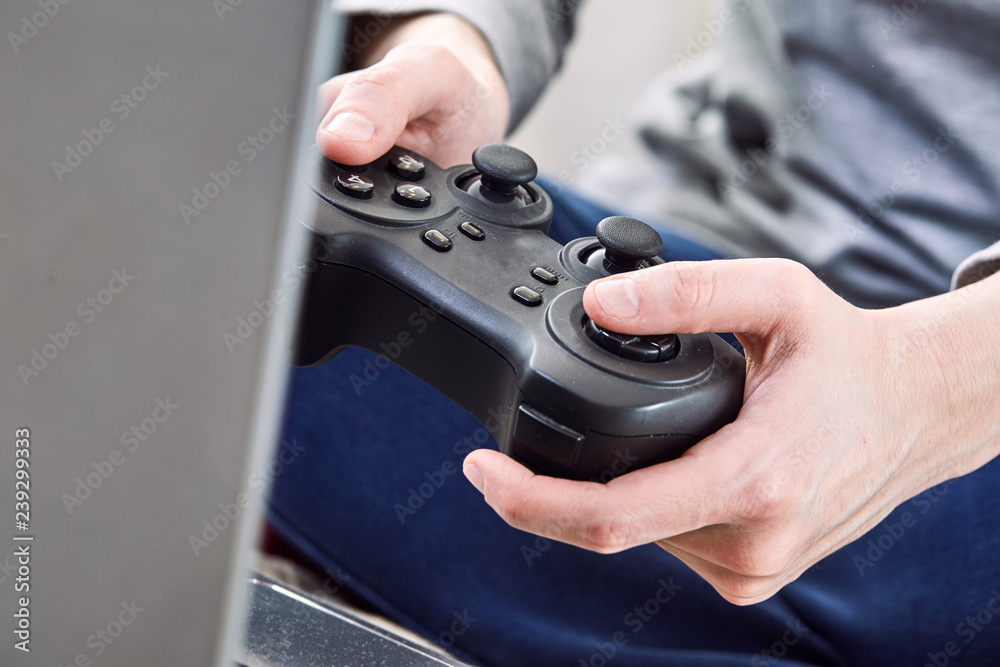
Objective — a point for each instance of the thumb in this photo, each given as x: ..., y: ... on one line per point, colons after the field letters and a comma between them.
x: 372, y: 107
x: 745, y: 296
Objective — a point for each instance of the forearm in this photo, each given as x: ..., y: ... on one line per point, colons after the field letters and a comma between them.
x: 946, y: 354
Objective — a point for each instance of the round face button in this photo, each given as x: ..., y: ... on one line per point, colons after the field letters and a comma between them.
x: 413, y: 195
x: 406, y: 166
x: 355, y: 185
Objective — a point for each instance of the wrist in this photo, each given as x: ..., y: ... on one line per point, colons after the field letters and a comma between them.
x: 944, y: 365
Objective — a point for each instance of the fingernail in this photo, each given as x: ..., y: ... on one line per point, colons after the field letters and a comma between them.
x: 475, y: 475
x: 352, y: 126
x: 618, y: 297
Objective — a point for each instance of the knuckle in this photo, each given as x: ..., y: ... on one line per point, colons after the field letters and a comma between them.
x: 441, y: 55
x: 422, y: 51
x: 743, y: 591
x: 794, y: 283
x: 759, y: 560
x: 414, y: 57
x: 607, y: 536
x: 689, y: 288
x: 513, y: 510
x: 768, y: 498
x: 383, y: 77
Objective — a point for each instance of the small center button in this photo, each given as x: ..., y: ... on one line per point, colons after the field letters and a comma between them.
x: 413, y: 195
x: 473, y: 232
x: 526, y: 295
x: 406, y: 166
x: 437, y: 240
x: 544, y: 275
x: 355, y: 185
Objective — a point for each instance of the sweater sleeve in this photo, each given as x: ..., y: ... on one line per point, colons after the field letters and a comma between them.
x: 528, y: 37
x: 977, y: 266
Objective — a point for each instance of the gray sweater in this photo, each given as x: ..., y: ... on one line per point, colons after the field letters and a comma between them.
x: 860, y: 138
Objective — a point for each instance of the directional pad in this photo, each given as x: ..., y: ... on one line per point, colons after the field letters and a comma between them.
x: 648, y: 349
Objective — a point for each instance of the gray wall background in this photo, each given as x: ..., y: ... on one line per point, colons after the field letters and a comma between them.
x: 157, y: 338
x: 162, y: 336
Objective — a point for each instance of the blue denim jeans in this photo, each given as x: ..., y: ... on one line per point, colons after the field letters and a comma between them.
x: 378, y: 502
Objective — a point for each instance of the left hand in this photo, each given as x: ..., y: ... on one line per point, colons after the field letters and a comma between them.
x: 843, y: 419
x: 428, y: 83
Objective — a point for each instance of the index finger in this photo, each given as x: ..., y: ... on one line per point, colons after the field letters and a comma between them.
x: 698, y: 489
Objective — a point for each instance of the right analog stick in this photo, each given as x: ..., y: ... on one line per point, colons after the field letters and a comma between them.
x: 629, y: 244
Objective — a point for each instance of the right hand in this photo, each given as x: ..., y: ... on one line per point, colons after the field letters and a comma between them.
x: 436, y: 90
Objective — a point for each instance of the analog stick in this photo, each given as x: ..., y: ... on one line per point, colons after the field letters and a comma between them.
x: 628, y: 243
x: 503, y: 168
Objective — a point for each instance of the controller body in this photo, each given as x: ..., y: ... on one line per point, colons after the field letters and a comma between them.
x: 459, y: 284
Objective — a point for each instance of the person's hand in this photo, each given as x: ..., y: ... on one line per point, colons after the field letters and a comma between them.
x: 847, y: 413
x: 432, y: 86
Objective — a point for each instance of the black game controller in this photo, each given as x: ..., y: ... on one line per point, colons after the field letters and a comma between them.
x: 450, y: 274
